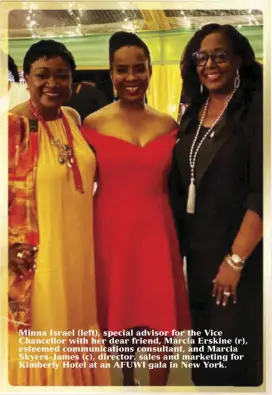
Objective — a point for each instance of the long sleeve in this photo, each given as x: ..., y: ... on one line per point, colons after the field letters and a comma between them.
x: 254, y: 199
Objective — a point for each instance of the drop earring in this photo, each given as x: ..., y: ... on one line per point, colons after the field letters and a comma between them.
x: 237, y: 80
x: 115, y: 94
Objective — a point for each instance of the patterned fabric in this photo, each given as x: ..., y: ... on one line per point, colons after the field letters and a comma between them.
x: 23, y: 156
x: 23, y: 227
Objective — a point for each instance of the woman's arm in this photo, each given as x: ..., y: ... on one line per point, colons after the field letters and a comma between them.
x: 251, y: 229
x: 249, y: 235
x: 20, y: 254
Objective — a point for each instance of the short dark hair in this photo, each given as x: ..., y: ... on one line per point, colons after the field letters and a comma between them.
x: 126, y: 39
x: 47, y: 49
x: 12, y: 67
x: 250, y: 71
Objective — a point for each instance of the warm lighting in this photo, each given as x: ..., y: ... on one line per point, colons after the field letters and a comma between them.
x: 130, y: 27
x: 188, y: 23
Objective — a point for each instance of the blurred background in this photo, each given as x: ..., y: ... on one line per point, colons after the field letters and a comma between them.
x: 166, y: 32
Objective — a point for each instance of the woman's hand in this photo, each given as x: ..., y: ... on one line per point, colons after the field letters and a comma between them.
x: 22, y: 258
x: 225, y: 284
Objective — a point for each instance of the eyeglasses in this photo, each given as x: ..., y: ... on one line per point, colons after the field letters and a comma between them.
x: 200, y: 58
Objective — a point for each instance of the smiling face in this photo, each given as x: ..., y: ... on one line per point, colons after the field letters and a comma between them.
x: 130, y: 73
x: 219, y: 71
x: 49, y: 83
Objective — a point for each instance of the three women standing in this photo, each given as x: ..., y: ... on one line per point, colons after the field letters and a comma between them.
x: 215, y: 191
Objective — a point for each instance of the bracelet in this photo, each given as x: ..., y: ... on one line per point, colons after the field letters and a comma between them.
x: 236, y: 267
x: 236, y: 259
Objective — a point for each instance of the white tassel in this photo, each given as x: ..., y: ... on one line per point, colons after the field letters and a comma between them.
x: 191, y: 199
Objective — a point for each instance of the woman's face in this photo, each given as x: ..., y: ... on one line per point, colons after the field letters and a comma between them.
x: 49, y: 82
x: 130, y: 73
x: 216, y: 64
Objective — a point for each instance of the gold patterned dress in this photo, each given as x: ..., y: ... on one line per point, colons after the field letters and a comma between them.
x: 63, y: 294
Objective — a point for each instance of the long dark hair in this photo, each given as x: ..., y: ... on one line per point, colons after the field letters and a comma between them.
x: 251, y: 72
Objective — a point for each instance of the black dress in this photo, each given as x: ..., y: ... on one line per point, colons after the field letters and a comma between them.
x: 228, y: 182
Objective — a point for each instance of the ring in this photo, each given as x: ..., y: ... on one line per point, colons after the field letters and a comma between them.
x: 20, y: 255
x: 226, y: 293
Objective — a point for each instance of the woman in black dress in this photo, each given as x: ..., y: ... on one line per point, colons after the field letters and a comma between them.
x: 216, y: 195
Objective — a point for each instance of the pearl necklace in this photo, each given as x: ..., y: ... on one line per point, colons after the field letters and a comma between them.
x: 193, y: 154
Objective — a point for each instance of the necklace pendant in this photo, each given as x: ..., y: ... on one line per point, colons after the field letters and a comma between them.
x: 61, y: 160
x: 212, y: 135
x: 191, y: 198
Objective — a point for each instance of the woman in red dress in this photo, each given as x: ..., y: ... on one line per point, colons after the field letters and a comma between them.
x: 140, y: 281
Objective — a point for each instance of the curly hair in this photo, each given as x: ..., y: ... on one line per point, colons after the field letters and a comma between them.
x: 126, y: 39
x: 47, y: 49
x: 251, y: 72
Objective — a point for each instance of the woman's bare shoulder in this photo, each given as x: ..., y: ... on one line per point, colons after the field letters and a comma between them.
x: 165, y: 119
x: 21, y: 110
x: 73, y: 114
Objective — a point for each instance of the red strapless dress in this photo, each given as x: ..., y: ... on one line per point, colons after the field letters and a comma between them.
x: 139, y: 273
